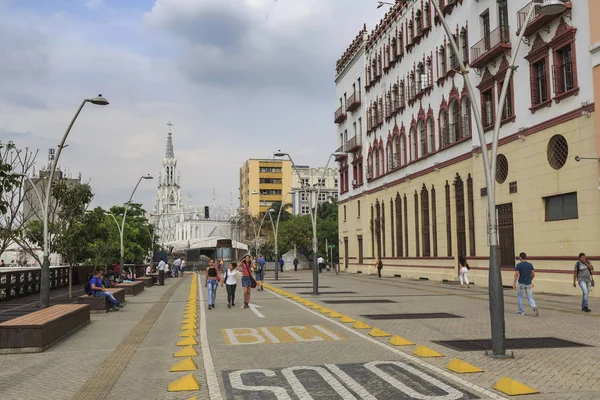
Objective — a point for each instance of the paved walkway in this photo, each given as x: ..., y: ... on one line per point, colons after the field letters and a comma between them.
x: 284, y: 349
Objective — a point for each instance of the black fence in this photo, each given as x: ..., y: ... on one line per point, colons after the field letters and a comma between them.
x: 14, y: 284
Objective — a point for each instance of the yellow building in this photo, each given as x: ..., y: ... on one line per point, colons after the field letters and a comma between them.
x: 271, y: 178
x: 424, y: 200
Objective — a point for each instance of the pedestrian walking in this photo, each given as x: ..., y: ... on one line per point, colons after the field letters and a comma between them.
x: 296, y: 262
x: 211, y: 282
x: 463, y: 268
x: 583, y: 275
x: 176, y: 266
x: 379, y: 265
x: 246, y: 267
x: 524, y: 273
x: 182, y: 267
x: 230, y: 281
x: 259, y: 271
x: 281, y: 262
x: 161, y: 272
x: 320, y: 262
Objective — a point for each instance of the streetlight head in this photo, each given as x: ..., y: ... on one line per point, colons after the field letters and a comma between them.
x: 279, y: 153
x: 271, y: 210
x: 99, y: 101
x: 550, y: 7
x: 148, y: 177
x: 339, y: 154
x: 379, y: 4
x: 577, y: 158
x: 254, y: 192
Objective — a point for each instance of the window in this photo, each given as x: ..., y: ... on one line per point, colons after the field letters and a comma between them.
x: 305, y: 182
x: 321, y: 182
x: 442, y: 59
x: 539, y: 82
x: 466, y: 120
x: 322, y: 197
x: 270, y: 192
x: 358, y: 209
x: 464, y: 41
x: 564, y: 76
x: 430, y: 136
x: 270, y: 169
x: 561, y: 207
x: 304, y: 210
x: 501, y: 168
x: 485, y: 24
x: 453, y: 55
x: 507, y: 109
x: 443, y: 129
x: 270, y: 181
x: 487, y: 101
x: 360, y: 126
x: 303, y: 196
x: 414, y: 144
x: 421, y: 78
x: 419, y: 22
x: 558, y: 151
x: 454, y: 132
x: 344, y: 213
x: 335, y: 183
x: 422, y: 137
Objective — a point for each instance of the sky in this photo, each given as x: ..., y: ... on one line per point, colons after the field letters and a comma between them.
x: 238, y: 79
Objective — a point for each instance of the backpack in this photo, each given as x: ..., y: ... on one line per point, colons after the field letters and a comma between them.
x: 87, y: 289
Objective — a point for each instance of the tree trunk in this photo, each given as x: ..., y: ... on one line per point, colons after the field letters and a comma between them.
x: 70, y: 281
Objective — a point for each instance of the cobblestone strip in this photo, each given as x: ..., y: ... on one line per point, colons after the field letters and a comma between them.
x: 100, y: 384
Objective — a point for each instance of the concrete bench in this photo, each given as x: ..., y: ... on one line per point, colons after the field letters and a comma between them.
x: 36, y: 332
x: 131, y: 289
x: 148, y: 280
x: 101, y: 304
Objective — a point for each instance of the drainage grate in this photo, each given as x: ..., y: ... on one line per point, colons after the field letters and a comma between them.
x: 512, y: 344
x: 304, y: 287
x: 411, y: 316
x: 357, y: 301
x: 328, y: 292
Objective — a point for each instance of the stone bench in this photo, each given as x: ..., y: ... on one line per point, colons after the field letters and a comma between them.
x: 131, y: 289
x: 148, y: 280
x: 101, y: 304
x: 36, y: 332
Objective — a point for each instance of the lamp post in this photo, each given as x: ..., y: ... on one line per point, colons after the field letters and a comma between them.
x: 275, y: 228
x: 259, y: 228
x: 312, y: 210
x: 495, y: 290
x: 122, y: 230
x: 45, y: 272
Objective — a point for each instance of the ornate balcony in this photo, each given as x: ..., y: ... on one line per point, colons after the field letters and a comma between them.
x: 353, y: 102
x: 493, y: 45
x: 340, y: 115
x: 539, y: 21
x: 354, y: 144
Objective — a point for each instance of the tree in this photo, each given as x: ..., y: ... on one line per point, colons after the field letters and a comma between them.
x: 297, y: 231
x: 137, y: 235
x: 285, y: 214
x: 14, y: 190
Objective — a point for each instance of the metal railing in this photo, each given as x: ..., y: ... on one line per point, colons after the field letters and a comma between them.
x: 339, y: 114
x: 491, y: 40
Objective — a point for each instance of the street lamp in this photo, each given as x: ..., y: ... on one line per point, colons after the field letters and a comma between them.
x: 495, y: 290
x: 312, y: 210
x: 577, y: 158
x: 45, y: 273
x: 381, y: 4
x: 122, y: 230
x: 275, y: 227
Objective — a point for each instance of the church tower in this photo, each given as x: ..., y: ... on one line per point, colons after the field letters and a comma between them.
x: 168, y: 196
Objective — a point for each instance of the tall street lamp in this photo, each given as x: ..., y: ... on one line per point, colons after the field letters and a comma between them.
x: 275, y: 228
x: 313, y: 210
x: 495, y: 290
x: 45, y: 273
x: 259, y: 228
x: 122, y: 230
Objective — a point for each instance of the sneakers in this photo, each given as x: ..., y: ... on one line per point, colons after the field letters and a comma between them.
x: 228, y: 305
x: 520, y: 313
x: 246, y: 305
x: 585, y: 309
x: 232, y: 304
x: 114, y: 309
x: 209, y: 306
x: 536, y: 312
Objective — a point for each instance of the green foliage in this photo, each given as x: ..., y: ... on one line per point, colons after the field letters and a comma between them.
x: 137, y: 236
x: 8, y: 181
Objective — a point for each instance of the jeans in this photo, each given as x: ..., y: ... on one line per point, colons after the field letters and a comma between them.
x: 212, y: 290
x: 527, y: 289
x: 379, y: 272
x: 161, y: 277
x: 586, y: 287
x: 231, y: 293
x: 109, y: 296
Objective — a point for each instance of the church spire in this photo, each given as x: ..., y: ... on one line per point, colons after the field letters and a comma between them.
x: 170, y: 153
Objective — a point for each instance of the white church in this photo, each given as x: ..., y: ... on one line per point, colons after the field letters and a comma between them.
x: 189, y: 226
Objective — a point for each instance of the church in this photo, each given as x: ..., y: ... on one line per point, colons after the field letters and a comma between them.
x: 187, y: 227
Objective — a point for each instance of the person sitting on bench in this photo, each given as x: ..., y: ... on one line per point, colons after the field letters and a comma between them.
x: 98, y: 291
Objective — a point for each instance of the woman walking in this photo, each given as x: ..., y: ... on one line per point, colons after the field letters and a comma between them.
x: 230, y: 283
x: 379, y: 265
x: 246, y: 268
x: 211, y: 282
x: 463, y: 268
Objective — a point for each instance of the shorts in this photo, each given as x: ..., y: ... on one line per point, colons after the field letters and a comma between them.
x: 258, y: 276
x: 246, y: 281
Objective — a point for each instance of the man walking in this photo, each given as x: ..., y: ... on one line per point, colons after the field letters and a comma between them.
x: 583, y: 276
x: 296, y: 262
x: 182, y: 267
x: 320, y: 261
x: 259, y: 275
x: 176, y: 266
x: 524, y: 273
x: 161, y: 272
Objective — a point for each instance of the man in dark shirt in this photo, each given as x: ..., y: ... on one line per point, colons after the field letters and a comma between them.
x: 524, y: 273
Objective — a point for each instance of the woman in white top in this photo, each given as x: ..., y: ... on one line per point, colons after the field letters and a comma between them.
x: 463, y: 268
x: 229, y: 278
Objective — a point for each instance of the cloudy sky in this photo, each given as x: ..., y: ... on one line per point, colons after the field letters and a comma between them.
x: 237, y: 78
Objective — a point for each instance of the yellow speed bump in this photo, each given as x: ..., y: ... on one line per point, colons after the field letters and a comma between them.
x: 188, y: 333
x: 426, y: 352
x: 187, y: 383
x: 315, y: 306
x: 513, y: 388
x: 347, y: 319
x: 324, y: 311
x: 400, y: 341
x: 187, y: 364
x: 334, y: 314
x: 375, y: 332
x: 189, y: 320
x: 462, y: 367
x: 188, y: 351
x: 361, y: 325
x: 188, y: 326
x: 189, y: 341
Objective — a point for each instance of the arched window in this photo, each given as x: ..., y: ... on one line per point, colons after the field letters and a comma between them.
x: 466, y: 117
x: 414, y: 148
x: 419, y: 22
x: 374, y: 115
x: 402, y: 94
x: 422, y: 137
x: 429, y: 72
x: 454, y: 131
x: 443, y: 128
x: 390, y: 154
x: 403, y: 159
x: 400, y: 42
x: 396, y: 144
x: 388, y: 106
x: 376, y: 172
x: 380, y: 109
x: 412, y: 89
x: 421, y: 77
x: 464, y: 43
x: 370, y: 165
x: 395, y: 97
x: 411, y: 32
x: 381, y: 160
x: 427, y: 17
x: 430, y: 136
x: 442, y: 68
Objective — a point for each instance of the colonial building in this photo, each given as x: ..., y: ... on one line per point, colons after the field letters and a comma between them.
x: 325, y: 180
x: 422, y: 201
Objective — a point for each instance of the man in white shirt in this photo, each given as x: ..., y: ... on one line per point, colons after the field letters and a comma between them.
x: 162, y: 265
x: 229, y: 277
x: 320, y: 261
x: 182, y: 266
x: 176, y: 265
